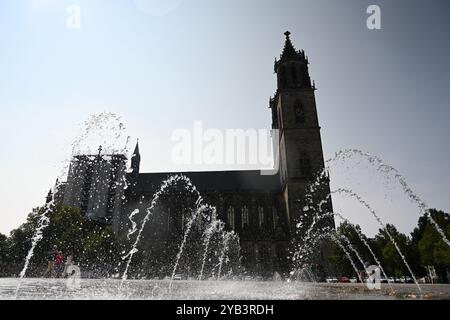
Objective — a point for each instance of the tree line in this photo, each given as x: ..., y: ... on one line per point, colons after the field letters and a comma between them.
x: 94, y: 246
x: 99, y: 250
x: 423, y: 247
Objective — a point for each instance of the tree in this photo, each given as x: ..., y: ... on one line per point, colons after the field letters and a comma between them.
x: 392, y: 261
x: 354, y: 234
x: 339, y: 259
x: 94, y: 246
x: 3, y: 253
x: 3, y: 247
x: 432, y: 249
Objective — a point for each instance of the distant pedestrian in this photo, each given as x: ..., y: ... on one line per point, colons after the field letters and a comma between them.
x: 50, y: 272
x: 59, y: 264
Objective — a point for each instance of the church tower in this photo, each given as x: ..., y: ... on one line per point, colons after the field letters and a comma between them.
x: 294, y: 114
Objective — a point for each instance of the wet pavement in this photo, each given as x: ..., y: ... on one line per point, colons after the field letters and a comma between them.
x: 61, y: 289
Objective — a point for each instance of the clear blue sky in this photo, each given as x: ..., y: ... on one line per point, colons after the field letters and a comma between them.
x: 384, y: 91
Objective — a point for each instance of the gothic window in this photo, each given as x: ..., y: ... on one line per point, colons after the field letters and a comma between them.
x: 305, y: 166
x: 230, y: 216
x: 294, y: 74
x: 280, y: 253
x: 244, y: 217
x: 283, y: 78
x: 275, y: 217
x: 261, y: 216
x: 299, y: 112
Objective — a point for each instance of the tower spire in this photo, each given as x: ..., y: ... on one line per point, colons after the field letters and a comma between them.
x: 292, y: 68
x: 136, y: 159
x: 289, y: 50
x: 136, y: 149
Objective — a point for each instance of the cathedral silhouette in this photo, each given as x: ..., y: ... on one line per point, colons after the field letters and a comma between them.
x: 262, y: 209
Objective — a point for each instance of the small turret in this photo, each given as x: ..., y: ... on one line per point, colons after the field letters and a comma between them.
x: 49, y: 197
x: 136, y: 160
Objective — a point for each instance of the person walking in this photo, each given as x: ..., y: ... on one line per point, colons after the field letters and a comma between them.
x: 50, y: 272
x: 59, y: 264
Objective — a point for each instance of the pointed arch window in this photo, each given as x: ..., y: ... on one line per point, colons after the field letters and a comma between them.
x: 299, y: 112
x: 283, y: 77
x: 294, y: 74
x: 261, y: 216
x: 305, y: 166
x: 275, y: 217
x: 244, y: 217
x: 230, y: 217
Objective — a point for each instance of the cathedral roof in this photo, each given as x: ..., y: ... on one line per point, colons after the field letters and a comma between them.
x: 211, y: 181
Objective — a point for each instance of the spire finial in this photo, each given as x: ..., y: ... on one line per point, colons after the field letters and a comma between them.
x: 289, y: 50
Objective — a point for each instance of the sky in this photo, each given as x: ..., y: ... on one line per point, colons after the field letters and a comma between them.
x: 161, y: 65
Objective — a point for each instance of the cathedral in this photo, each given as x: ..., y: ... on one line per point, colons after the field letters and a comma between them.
x: 261, y: 209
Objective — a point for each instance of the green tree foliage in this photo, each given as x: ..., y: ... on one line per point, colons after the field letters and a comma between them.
x: 432, y: 249
x: 338, y: 258
x: 94, y: 246
x: 393, y: 262
x: 425, y: 247
x: 3, y: 249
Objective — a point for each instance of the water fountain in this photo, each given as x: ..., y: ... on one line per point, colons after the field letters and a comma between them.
x: 108, y: 127
x: 199, y: 210
x: 386, y: 171
x: 390, y: 173
x: 217, y: 247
